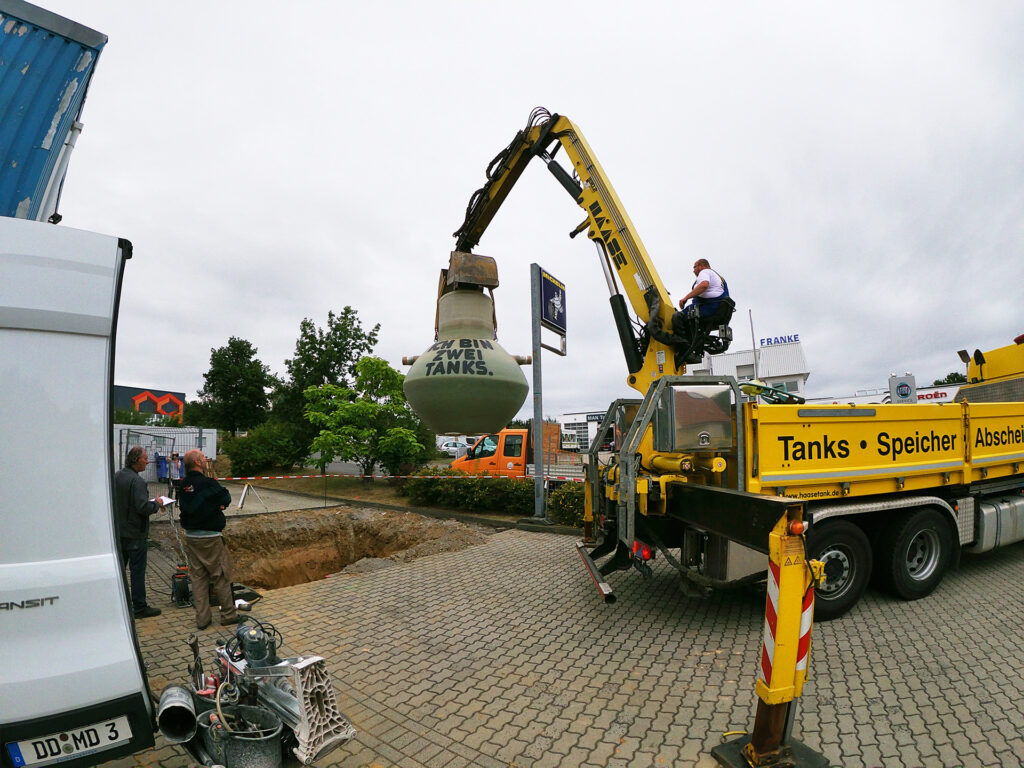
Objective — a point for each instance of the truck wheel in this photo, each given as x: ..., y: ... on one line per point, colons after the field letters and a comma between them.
x: 914, y: 552
x: 846, y: 553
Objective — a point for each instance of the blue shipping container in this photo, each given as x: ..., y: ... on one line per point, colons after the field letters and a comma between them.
x: 46, y: 62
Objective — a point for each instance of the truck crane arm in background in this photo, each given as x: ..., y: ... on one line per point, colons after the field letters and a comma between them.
x: 660, y: 349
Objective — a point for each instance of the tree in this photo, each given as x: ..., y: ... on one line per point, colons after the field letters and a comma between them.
x: 266, y: 447
x: 330, y: 356
x: 196, y: 414
x: 322, y: 356
x: 236, y: 386
x: 370, y: 423
x: 954, y: 377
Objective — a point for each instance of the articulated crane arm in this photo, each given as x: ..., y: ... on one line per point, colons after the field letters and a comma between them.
x: 658, y: 351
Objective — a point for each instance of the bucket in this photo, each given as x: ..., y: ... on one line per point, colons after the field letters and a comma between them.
x: 181, y: 586
x: 176, y: 715
x: 238, y: 750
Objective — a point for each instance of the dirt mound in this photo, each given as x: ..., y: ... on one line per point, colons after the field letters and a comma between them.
x: 286, y: 548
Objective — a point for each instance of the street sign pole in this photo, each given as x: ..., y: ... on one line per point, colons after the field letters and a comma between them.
x: 548, y: 310
x: 538, y: 400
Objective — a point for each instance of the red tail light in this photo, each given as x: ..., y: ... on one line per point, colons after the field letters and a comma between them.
x: 642, y: 551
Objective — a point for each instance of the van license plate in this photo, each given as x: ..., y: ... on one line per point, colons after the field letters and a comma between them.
x: 58, y: 747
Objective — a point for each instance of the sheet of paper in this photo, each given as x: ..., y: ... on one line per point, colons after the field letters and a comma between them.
x: 164, y: 501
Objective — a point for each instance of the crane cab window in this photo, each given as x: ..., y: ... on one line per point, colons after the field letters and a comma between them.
x: 486, y: 447
x: 513, y: 445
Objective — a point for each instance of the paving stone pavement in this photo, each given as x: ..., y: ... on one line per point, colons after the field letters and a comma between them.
x: 503, y: 655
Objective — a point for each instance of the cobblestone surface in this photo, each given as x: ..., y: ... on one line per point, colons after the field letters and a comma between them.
x: 503, y: 655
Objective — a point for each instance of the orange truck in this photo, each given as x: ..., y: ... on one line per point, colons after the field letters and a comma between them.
x: 509, y: 453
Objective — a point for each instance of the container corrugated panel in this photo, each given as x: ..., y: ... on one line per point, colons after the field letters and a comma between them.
x: 46, y: 62
x: 781, y: 360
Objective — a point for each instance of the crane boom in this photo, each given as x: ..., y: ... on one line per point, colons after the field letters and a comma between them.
x: 628, y: 269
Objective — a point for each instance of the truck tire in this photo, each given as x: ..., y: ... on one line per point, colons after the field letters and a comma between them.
x: 914, y: 552
x: 846, y: 553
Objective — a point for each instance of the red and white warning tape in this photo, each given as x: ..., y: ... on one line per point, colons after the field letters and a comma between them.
x: 405, y: 477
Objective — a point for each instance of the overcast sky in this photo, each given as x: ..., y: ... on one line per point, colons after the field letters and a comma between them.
x: 855, y: 171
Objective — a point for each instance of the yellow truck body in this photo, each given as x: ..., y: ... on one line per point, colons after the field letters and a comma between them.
x: 835, y: 451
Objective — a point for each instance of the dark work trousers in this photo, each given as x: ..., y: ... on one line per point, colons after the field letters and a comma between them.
x: 210, y: 564
x: 133, y: 557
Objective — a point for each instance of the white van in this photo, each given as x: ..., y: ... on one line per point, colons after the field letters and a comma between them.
x: 73, y: 689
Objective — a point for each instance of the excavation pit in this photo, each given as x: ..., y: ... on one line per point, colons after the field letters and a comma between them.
x: 281, y: 549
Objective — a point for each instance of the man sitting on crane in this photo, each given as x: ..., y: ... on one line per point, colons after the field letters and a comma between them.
x: 709, y: 289
x: 711, y: 307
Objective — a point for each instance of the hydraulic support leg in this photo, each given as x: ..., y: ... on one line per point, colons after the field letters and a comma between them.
x: 785, y: 653
x: 588, y: 518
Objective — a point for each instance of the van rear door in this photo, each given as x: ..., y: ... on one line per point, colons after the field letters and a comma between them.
x: 73, y: 689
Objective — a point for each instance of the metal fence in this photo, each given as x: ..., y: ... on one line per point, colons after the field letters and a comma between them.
x: 160, y: 443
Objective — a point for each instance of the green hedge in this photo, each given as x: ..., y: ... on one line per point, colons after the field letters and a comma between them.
x: 499, y: 494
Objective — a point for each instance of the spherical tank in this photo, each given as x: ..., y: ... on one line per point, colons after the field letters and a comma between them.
x: 465, y: 382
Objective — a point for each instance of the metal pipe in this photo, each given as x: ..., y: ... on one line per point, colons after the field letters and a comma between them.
x: 769, y: 725
x: 753, y: 343
x: 176, y: 715
x: 52, y: 192
x: 612, y: 288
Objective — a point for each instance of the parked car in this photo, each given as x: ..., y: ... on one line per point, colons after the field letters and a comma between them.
x: 454, y: 448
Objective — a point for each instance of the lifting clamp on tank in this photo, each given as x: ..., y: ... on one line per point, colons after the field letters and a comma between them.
x: 465, y: 382
x: 785, y: 654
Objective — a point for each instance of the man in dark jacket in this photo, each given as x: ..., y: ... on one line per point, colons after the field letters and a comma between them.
x: 132, y: 508
x: 202, y: 501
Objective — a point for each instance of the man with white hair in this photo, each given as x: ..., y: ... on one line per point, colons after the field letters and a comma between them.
x: 202, y: 501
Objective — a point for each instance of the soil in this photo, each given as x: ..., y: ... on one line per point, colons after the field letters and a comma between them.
x: 285, y: 548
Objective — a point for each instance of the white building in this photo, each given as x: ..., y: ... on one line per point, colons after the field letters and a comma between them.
x: 943, y: 394
x: 780, y: 365
x: 579, y: 428
x: 779, y: 362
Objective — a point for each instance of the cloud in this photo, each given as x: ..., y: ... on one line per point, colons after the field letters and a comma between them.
x: 853, y: 171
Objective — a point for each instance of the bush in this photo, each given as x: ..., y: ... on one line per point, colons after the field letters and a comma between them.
x: 428, y: 491
x: 500, y: 494
x: 566, y: 504
x: 267, y: 446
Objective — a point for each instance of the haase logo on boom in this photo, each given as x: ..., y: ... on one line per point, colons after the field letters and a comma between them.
x: 614, y: 249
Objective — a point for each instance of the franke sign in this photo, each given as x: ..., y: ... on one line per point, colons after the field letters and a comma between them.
x: 788, y: 339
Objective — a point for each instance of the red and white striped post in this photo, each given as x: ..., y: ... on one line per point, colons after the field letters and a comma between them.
x: 785, y: 652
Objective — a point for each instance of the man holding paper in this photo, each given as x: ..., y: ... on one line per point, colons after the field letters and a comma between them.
x: 132, y: 509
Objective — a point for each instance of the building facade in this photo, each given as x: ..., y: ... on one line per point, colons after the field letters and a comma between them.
x: 781, y: 365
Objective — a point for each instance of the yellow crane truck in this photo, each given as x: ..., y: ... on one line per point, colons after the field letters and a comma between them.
x: 889, y: 493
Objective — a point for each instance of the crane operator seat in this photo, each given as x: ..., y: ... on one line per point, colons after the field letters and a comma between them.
x: 703, y: 327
